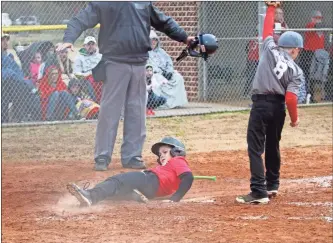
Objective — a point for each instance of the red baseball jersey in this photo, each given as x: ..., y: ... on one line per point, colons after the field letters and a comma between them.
x: 312, y: 40
x: 168, y: 175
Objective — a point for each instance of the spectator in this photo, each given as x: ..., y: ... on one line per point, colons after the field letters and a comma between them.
x: 153, y: 100
x: 46, y: 48
x: 318, y: 75
x: 312, y: 42
x: 34, y: 67
x: 174, y: 91
x: 5, y: 39
x: 55, y: 99
x: 15, y: 90
x: 87, y: 59
x: 66, y: 64
x: 86, y: 106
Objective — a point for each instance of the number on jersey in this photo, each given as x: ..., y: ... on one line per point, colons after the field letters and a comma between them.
x: 280, y: 68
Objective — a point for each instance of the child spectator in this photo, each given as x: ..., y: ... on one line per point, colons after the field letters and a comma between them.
x: 153, y: 100
x: 34, y: 67
x: 87, y: 108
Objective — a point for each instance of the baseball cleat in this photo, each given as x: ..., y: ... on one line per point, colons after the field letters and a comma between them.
x: 250, y: 199
x: 139, y: 197
x: 81, y: 195
x: 272, y: 193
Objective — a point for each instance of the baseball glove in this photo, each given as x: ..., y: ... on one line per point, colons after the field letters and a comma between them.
x: 273, y: 3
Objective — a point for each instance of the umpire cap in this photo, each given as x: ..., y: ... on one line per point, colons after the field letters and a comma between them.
x: 173, y: 142
x: 290, y: 39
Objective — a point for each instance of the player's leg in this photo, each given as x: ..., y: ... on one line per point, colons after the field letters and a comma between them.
x: 113, y: 98
x: 256, y: 141
x: 272, y: 150
x: 135, y: 119
x: 145, y: 183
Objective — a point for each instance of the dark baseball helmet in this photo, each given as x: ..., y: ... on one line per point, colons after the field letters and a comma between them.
x: 173, y: 142
x: 209, y: 42
x: 290, y: 39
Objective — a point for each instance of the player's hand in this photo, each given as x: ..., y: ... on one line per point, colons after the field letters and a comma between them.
x: 273, y: 3
x: 64, y: 46
x: 294, y: 124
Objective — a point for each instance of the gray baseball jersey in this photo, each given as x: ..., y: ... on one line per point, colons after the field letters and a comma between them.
x: 277, y: 72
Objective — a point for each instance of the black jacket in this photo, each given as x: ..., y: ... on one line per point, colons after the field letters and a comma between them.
x: 124, y: 28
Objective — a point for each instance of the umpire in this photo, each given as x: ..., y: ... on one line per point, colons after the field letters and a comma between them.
x: 124, y: 42
x: 276, y: 84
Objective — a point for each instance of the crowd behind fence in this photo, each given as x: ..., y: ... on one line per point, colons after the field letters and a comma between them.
x: 41, y: 85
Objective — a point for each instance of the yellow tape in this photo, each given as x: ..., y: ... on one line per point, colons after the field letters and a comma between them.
x: 22, y: 28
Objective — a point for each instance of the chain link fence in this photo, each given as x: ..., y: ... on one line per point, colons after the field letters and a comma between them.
x: 39, y: 85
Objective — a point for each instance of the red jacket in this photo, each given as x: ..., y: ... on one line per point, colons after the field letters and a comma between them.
x: 46, y: 89
x: 312, y: 41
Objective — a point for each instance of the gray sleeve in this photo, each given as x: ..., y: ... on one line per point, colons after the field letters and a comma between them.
x: 86, y: 19
x: 296, y: 79
x: 326, y: 68
x: 167, y: 25
x: 268, y: 44
x: 312, y: 67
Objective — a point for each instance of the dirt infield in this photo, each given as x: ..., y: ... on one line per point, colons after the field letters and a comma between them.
x: 37, y: 208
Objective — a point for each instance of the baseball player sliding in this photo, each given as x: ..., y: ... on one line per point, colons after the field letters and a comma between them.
x: 276, y: 84
x: 172, y: 178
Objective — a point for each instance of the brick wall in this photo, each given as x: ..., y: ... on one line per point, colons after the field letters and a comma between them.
x: 186, y: 15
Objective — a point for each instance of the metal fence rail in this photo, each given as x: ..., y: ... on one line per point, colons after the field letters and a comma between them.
x: 224, y: 82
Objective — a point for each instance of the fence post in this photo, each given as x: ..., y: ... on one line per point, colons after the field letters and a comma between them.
x: 202, y: 68
x: 261, y: 17
x: 204, y: 79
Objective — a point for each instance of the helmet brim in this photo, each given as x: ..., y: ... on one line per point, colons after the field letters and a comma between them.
x: 156, y: 147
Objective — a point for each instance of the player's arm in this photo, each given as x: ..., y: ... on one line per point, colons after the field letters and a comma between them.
x: 291, y: 95
x: 291, y: 103
x: 269, y: 22
x: 167, y: 25
x: 268, y: 29
x: 186, y: 180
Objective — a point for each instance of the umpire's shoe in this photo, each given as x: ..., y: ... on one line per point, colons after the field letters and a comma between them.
x: 81, y: 195
x: 102, y: 162
x: 135, y: 163
x: 251, y: 199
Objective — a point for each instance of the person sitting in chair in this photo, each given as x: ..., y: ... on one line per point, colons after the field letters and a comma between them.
x: 162, y: 64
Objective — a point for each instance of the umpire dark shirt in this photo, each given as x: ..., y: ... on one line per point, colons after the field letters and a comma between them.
x: 124, y: 28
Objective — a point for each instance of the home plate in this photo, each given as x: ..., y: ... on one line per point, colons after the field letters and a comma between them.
x: 200, y: 200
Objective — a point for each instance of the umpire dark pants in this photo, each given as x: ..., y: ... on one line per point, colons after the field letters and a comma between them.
x: 264, y: 133
x: 122, y: 184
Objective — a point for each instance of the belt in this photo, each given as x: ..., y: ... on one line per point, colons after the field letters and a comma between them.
x: 268, y: 97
